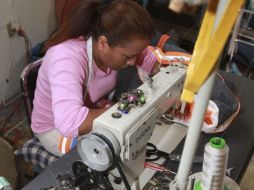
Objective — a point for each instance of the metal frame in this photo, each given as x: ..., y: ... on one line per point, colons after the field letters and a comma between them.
x: 24, y: 88
x: 238, y: 33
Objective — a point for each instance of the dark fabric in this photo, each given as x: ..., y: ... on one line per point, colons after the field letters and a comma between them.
x: 224, y: 98
x: 127, y: 79
x: 36, y: 52
x: 251, y: 23
x: 170, y: 44
x: 31, y: 84
x: 244, y: 55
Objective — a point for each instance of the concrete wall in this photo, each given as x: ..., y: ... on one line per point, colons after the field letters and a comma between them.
x: 37, y: 19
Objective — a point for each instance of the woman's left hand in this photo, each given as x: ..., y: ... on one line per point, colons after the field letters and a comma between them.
x: 156, y: 68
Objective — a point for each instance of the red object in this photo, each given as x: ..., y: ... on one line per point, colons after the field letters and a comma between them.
x: 156, y: 167
x: 164, y: 38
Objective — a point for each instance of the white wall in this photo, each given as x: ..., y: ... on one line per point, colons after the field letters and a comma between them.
x: 37, y: 18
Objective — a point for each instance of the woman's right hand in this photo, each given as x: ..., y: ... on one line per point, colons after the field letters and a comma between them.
x: 104, y: 103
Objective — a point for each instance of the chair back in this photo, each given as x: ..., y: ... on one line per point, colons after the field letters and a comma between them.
x: 28, y: 85
x: 32, y: 150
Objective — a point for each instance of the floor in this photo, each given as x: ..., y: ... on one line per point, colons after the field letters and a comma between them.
x: 247, y: 182
x: 14, y: 129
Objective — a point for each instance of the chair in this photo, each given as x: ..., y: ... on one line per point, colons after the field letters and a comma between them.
x: 241, y: 45
x: 32, y: 150
x: 28, y: 85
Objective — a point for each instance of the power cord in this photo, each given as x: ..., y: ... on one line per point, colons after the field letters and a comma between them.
x: 20, y: 32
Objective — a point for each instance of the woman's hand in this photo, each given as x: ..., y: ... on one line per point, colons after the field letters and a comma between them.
x: 104, y: 103
x: 156, y: 68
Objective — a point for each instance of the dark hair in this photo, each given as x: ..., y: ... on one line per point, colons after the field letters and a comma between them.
x: 119, y: 20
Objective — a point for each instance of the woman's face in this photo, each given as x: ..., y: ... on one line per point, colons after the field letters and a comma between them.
x: 119, y: 57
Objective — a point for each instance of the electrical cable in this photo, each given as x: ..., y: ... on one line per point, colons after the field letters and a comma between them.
x: 11, y: 60
x: 20, y: 32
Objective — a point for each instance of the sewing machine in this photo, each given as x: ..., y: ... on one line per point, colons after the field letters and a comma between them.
x: 117, y: 133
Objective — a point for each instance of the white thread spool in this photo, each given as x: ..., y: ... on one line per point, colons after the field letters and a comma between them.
x: 214, y: 165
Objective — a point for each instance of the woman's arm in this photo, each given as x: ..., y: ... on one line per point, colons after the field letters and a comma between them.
x: 87, y: 125
x: 101, y: 106
x: 72, y: 115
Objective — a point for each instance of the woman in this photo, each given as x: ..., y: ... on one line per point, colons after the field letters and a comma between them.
x: 81, y: 63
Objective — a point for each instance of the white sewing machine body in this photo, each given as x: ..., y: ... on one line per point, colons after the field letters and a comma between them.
x: 134, y: 129
x: 130, y: 133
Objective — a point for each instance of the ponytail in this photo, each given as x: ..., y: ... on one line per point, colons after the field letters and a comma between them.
x: 78, y: 24
x: 118, y: 20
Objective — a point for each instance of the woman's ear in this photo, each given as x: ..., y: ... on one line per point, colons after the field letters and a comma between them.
x: 102, y: 42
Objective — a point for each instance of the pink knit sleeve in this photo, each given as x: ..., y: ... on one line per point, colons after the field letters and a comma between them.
x: 146, y: 60
x: 66, y: 77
